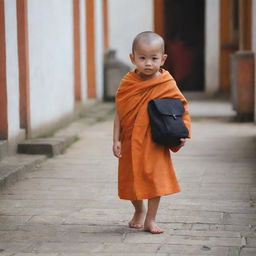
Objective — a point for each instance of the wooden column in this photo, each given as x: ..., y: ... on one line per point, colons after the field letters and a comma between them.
x: 228, y: 43
x: 90, y: 39
x: 159, y: 17
x: 77, y: 49
x: 3, y: 84
x: 245, y: 24
x: 105, y: 24
x: 23, y: 58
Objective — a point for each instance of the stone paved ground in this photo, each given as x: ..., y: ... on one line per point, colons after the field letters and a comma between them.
x: 69, y: 205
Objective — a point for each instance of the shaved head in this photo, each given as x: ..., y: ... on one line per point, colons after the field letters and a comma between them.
x: 147, y: 37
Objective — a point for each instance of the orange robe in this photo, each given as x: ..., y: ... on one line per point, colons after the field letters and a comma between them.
x: 145, y: 169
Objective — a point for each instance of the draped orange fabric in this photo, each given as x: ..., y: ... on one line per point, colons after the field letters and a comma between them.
x: 145, y: 169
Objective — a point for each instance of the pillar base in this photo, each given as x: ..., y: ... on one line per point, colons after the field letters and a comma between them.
x: 242, y: 84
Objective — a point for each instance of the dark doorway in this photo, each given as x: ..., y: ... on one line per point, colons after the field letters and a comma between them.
x: 184, y: 37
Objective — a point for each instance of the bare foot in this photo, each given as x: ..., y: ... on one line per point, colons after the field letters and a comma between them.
x: 137, y: 220
x: 153, y: 228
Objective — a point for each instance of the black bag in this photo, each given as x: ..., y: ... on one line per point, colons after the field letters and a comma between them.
x: 166, y: 121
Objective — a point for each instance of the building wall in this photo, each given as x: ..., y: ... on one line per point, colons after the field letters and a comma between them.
x: 212, y: 45
x: 12, y: 75
x: 127, y: 18
x: 50, y: 32
x: 51, y: 64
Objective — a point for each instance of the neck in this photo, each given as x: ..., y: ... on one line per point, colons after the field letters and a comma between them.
x: 146, y: 77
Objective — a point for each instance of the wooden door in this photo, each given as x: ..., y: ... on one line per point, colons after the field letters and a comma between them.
x: 184, y: 40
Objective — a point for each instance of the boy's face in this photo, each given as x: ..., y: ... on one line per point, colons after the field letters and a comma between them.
x: 148, y: 58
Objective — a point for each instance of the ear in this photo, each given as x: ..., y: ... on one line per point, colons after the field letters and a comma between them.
x: 132, y: 58
x: 164, y: 57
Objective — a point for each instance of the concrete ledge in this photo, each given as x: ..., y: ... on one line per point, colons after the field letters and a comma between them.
x: 14, y: 168
x: 31, y: 154
x: 51, y: 146
x: 3, y: 149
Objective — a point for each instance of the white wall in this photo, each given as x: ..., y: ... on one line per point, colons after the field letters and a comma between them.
x: 12, y: 69
x: 99, y: 47
x: 83, y: 51
x: 50, y: 24
x: 127, y: 18
x: 212, y: 45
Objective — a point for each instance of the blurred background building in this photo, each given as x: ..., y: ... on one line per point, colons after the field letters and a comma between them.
x: 52, y: 54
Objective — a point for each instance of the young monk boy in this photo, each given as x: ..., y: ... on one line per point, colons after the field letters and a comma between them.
x: 145, y: 169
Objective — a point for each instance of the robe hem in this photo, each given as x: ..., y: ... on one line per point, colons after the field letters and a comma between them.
x: 148, y: 196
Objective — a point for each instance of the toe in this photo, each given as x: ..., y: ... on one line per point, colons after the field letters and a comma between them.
x: 154, y: 230
x: 135, y: 225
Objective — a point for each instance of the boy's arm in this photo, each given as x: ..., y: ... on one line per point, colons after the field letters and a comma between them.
x: 116, y: 137
x: 186, y: 119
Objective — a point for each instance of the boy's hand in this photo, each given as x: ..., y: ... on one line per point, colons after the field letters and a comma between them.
x: 117, y: 149
x: 183, y: 141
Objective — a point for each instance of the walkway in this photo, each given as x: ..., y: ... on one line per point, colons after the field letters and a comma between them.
x: 69, y: 205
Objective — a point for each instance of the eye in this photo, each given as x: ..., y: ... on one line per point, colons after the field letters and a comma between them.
x: 155, y: 58
x: 142, y: 58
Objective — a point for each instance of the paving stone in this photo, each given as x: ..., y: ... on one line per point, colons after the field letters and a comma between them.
x: 234, y: 251
x: 194, y: 250
x: 14, y: 219
x: 239, y: 228
x: 132, y: 248
x: 35, y: 211
x: 251, y: 242
x: 206, y: 241
x: 14, y: 247
x: 204, y: 206
x: 248, y: 252
x: 207, y: 233
x: 59, y: 247
x: 186, y: 226
x: 251, y: 234
x: 197, y: 226
x: 46, y: 219
x: 8, y: 227
x: 37, y: 254
x: 145, y: 238
x: 119, y: 254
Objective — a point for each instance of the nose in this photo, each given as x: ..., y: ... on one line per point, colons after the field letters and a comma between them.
x: 148, y: 63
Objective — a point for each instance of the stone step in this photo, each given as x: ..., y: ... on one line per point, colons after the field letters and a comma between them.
x: 31, y: 153
x: 3, y: 149
x: 14, y: 168
x: 50, y: 146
